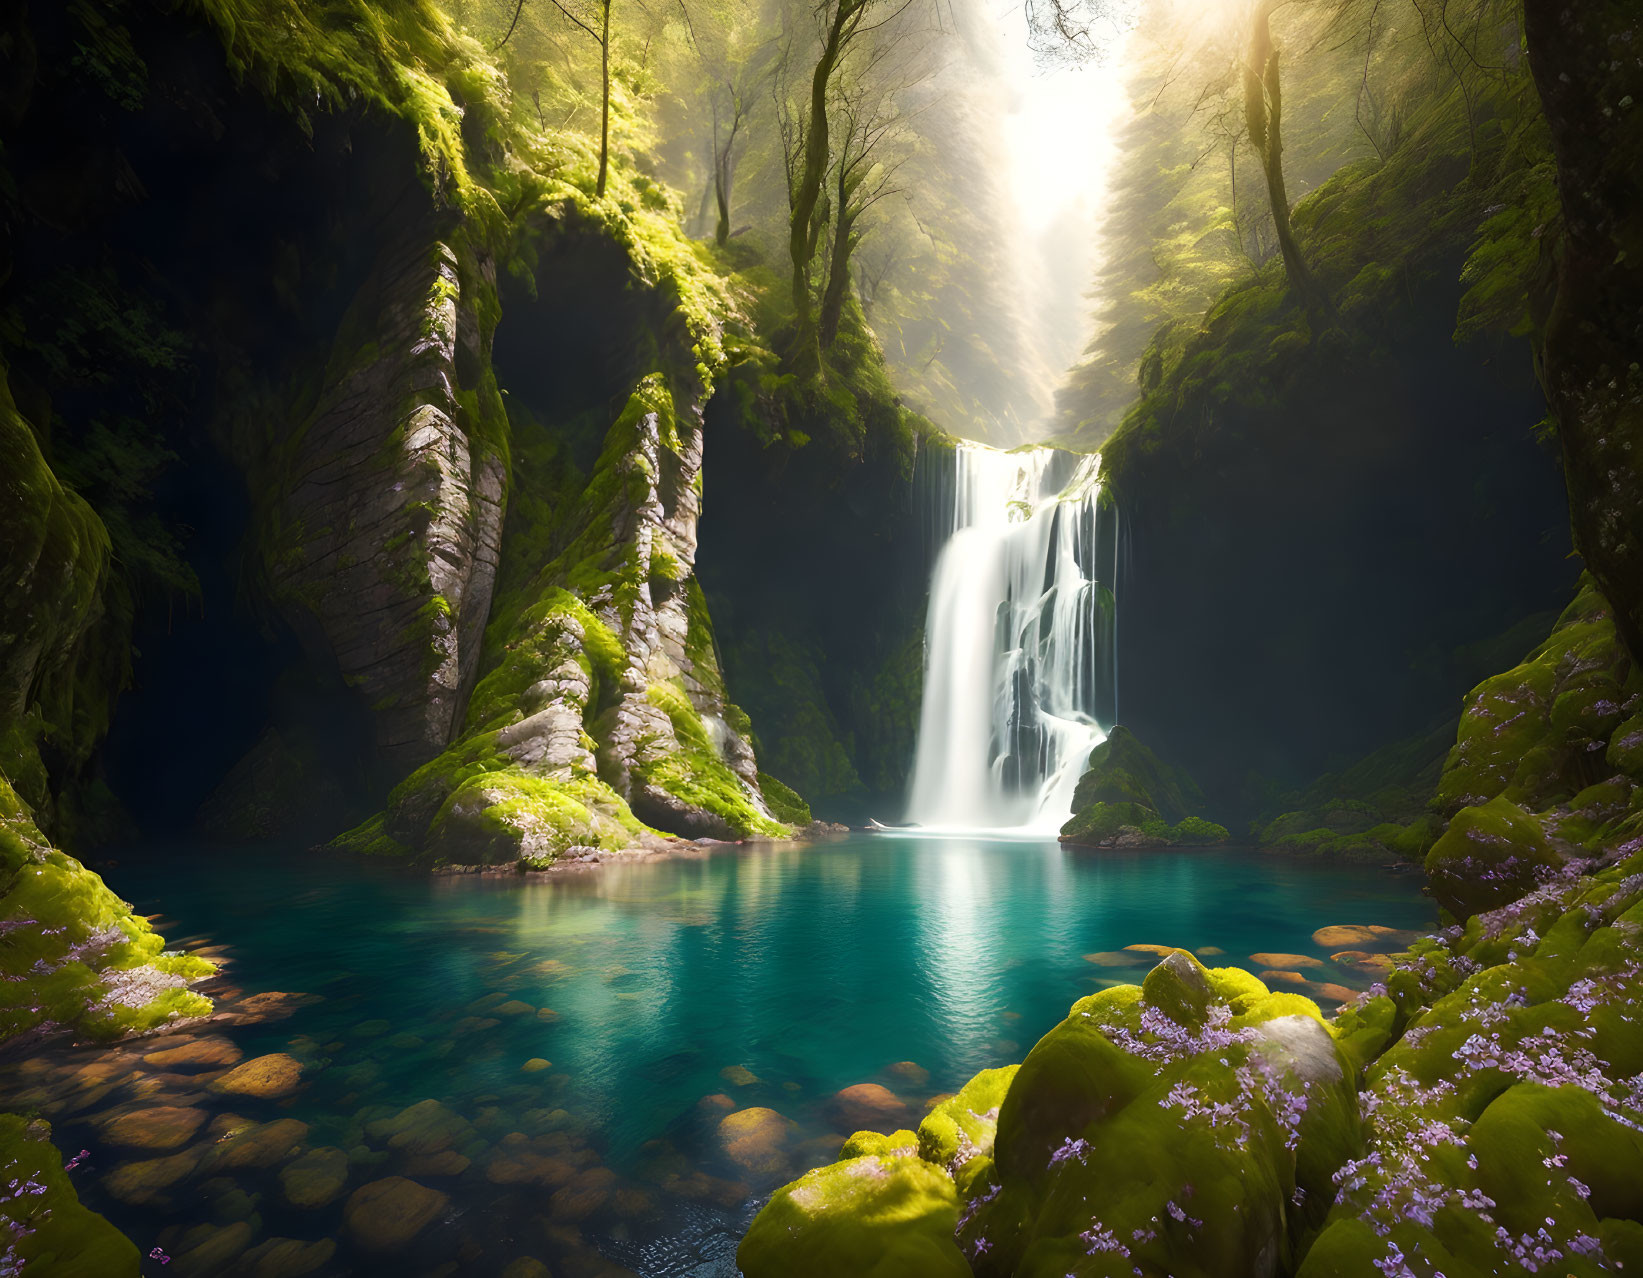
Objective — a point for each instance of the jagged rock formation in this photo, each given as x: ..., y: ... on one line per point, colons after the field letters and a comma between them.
x: 519, y: 622
x: 386, y: 522
x: 604, y: 712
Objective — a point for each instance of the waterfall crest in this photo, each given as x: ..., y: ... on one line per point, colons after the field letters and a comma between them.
x: 1020, y: 642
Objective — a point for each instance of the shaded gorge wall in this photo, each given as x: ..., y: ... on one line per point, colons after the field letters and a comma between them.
x: 816, y: 563
x: 1325, y: 569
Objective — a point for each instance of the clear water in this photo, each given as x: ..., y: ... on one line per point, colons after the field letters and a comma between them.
x: 812, y: 969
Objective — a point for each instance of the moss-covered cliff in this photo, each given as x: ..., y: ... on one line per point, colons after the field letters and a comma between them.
x: 464, y: 396
x: 1353, y: 507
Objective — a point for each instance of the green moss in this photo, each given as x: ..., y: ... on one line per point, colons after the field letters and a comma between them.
x: 963, y: 1127
x: 500, y: 817
x: 1497, y: 1104
x: 557, y: 626
x: 784, y: 804
x: 48, y: 1230
x: 694, y: 771
x: 1121, y: 770
x: 894, y: 1145
x: 1527, y: 732
x: 1490, y: 855
x: 1127, y: 785
x: 1195, y: 831
x: 78, y: 958
x: 1100, y: 822
x: 874, y: 1216
x: 58, y: 676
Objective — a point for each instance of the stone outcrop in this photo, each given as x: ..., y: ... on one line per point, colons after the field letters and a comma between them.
x: 600, y: 716
x: 605, y: 717
x: 384, y: 534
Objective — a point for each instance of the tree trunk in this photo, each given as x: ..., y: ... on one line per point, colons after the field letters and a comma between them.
x: 1263, y: 114
x: 1582, y: 59
x: 838, y: 280
x: 724, y: 174
x: 804, y: 229
x: 721, y: 192
x: 604, y: 116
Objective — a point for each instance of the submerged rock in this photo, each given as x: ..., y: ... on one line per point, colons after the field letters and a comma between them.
x: 866, y: 1105
x: 258, y: 1145
x: 1362, y: 935
x: 757, y: 1139
x: 158, y: 1127
x: 200, y: 1054
x: 423, y: 1129
x: 139, y: 1183
x: 387, y: 1214
x: 289, y: 1257
x: 264, y: 1077
x: 316, y: 1178
x: 1285, y: 961
x: 207, y: 1251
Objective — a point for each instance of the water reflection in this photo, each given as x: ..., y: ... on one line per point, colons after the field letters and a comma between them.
x: 604, y: 1024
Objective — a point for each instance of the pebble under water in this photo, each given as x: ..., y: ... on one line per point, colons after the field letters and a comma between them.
x: 480, y: 1075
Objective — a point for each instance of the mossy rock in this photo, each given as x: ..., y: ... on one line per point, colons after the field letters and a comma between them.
x: 1102, y: 822
x: 91, y: 966
x: 784, y: 803
x: 1489, y: 856
x: 1073, y: 1076
x: 897, y: 1144
x: 1193, y: 831
x: 1533, y: 732
x: 963, y: 1126
x: 873, y: 1216
x: 1169, y: 1156
x: 1123, y: 771
x: 49, y: 1231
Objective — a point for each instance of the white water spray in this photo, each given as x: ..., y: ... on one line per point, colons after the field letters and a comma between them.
x: 1021, y: 662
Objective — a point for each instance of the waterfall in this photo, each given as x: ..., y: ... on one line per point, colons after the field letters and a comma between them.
x: 1021, y: 663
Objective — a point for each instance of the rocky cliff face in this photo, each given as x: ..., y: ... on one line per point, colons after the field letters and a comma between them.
x: 1588, y: 67
x: 515, y: 615
x: 1353, y: 508
x: 387, y: 502
x: 602, y: 716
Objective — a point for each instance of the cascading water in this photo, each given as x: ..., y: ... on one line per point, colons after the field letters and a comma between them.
x: 1021, y: 663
